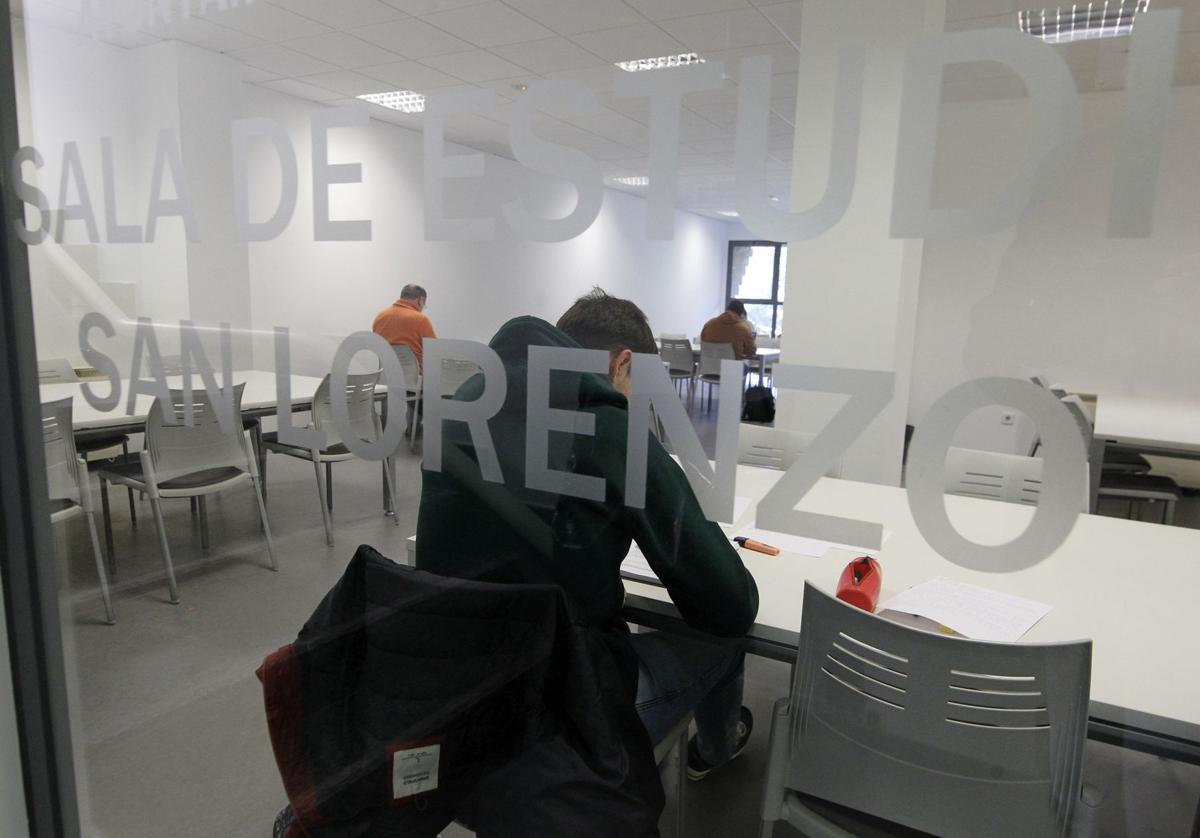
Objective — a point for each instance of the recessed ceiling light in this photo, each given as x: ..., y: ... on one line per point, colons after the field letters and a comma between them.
x: 405, y: 101
x: 521, y: 86
x: 639, y: 64
x: 632, y: 181
x: 1082, y: 21
x: 775, y: 198
x: 727, y: 213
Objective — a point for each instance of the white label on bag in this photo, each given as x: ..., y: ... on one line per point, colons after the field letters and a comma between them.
x: 415, y: 771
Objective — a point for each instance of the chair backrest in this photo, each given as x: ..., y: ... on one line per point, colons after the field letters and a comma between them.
x: 989, y: 474
x: 62, y: 463
x: 176, y: 449
x: 889, y: 720
x: 712, y: 354
x: 672, y: 336
x: 408, y: 363
x: 767, y: 447
x: 677, y: 352
x: 455, y: 373
x: 360, y: 405
x: 1082, y: 416
x: 56, y: 371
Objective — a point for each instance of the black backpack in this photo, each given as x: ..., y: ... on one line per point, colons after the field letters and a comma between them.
x: 759, y: 405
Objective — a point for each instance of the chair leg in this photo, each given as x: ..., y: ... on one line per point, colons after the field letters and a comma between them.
x: 110, y: 618
x: 329, y: 485
x: 194, y: 506
x: 412, y: 440
x: 108, y: 537
x: 391, y: 483
x: 388, y: 503
x: 266, y: 525
x: 260, y: 453
x: 324, y: 509
x: 202, y: 504
x: 172, y: 586
x: 129, y: 491
x: 1169, y: 512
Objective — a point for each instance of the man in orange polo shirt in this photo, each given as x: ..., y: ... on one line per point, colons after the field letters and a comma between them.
x: 403, y: 323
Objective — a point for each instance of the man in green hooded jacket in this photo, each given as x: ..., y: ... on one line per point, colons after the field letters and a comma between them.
x: 472, y: 528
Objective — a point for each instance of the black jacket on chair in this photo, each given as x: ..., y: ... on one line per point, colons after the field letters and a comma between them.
x: 495, y: 702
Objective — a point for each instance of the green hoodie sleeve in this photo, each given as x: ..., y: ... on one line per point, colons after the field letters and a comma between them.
x: 691, y: 555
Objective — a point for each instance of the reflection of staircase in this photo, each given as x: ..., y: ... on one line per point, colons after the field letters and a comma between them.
x: 65, y: 289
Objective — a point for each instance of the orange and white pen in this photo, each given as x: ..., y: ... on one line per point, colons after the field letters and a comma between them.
x: 757, y: 546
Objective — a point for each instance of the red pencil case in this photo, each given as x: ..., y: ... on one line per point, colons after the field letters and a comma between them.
x: 860, y: 583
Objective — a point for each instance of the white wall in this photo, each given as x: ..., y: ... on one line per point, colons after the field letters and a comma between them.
x: 1055, y: 296
x: 83, y: 90
x: 325, y: 290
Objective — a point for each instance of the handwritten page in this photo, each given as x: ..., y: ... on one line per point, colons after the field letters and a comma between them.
x: 971, y: 611
x: 636, y: 567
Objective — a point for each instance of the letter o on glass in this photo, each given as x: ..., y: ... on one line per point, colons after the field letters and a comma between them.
x: 1064, y: 474
x: 393, y: 376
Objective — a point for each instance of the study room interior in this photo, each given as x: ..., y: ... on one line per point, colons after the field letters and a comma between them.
x: 914, y: 286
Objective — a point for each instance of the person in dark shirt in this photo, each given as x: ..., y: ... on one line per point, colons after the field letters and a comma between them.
x: 470, y: 527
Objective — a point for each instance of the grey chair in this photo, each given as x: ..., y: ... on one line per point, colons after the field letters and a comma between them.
x: 923, y: 731
x: 70, y: 489
x: 181, y: 461
x: 93, y: 445
x: 413, y: 386
x: 681, y: 364
x: 777, y: 448
x: 364, y: 420
x: 1124, y: 485
x: 989, y: 474
x: 711, y: 356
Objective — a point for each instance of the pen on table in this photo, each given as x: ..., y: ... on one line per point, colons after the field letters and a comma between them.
x: 758, y: 546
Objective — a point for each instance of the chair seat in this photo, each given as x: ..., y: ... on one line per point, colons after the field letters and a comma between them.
x: 130, y: 471
x: 858, y: 823
x: 1150, y: 486
x: 61, y: 505
x: 271, y: 441
x: 680, y: 373
x: 1117, y: 458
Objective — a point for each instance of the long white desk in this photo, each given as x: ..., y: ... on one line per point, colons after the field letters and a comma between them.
x: 1168, y: 426
x: 1129, y: 586
x: 258, y: 397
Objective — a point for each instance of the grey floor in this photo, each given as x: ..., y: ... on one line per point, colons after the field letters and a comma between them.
x: 170, y: 716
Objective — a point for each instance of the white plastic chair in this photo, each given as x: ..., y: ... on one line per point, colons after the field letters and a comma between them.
x: 413, y: 384
x: 190, y: 462
x: 681, y: 363
x: 455, y: 374
x: 1122, y: 483
x: 70, y: 490
x: 934, y: 733
x: 777, y: 448
x: 711, y: 356
x: 990, y: 474
x: 364, y: 420
x: 95, y: 445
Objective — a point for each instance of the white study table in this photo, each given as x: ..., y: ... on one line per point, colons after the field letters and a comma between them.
x: 1106, y: 582
x: 1166, y: 426
x: 258, y: 398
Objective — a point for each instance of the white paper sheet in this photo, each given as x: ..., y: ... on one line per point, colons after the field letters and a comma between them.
x: 805, y: 546
x: 636, y: 567
x: 971, y: 611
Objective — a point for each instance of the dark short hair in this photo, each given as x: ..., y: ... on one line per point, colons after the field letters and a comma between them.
x: 737, y: 307
x: 413, y: 292
x: 598, y: 321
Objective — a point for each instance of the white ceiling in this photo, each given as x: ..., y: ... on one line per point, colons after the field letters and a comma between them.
x: 332, y: 50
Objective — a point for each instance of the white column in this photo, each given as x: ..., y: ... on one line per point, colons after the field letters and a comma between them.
x: 852, y: 291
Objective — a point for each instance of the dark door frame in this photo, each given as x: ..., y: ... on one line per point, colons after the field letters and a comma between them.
x: 27, y: 567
